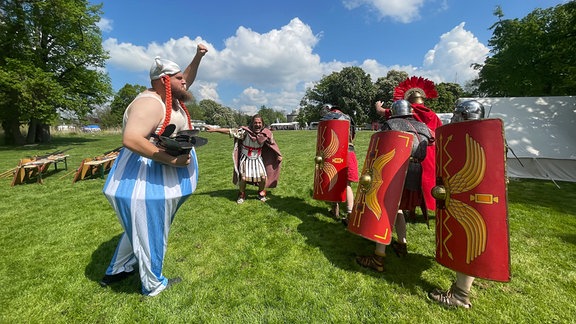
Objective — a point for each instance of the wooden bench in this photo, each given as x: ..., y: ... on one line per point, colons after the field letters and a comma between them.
x: 98, y: 166
x: 27, y: 169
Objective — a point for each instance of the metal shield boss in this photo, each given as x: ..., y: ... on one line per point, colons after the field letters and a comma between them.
x: 381, y: 185
x: 471, y: 197
x: 331, y: 171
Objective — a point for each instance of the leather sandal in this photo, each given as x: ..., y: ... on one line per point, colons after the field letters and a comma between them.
x: 374, y: 262
x: 453, y: 298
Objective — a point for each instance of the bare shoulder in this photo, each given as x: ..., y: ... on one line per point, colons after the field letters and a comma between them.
x: 148, y: 103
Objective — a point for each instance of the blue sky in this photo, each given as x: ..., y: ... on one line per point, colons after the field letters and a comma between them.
x: 266, y: 52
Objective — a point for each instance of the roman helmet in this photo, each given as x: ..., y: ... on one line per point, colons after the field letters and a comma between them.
x: 468, y: 110
x: 401, y: 108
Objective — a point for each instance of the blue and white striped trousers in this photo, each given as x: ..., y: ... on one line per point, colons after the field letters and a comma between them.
x: 146, y: 195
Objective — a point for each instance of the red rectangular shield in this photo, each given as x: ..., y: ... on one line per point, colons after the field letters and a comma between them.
x: 380, y: 186
x: 472, y: 221
x: 331, y: 173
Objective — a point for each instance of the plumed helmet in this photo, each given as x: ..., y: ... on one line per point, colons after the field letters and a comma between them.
x: 401, y: 108
x: 468, y: 110
x: 162, y: 67
x: 416, y: 97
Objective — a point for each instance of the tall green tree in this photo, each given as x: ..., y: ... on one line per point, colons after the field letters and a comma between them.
x: 196, y: 113
x: 121, y: 100
x: 240, y: 118
x: 351, y: 90
x: 385, y: 89
x: 271, y: 116
x: 448, y: 93
x: 532, y: 56
x: 216, y: 114
x: 52, y: 58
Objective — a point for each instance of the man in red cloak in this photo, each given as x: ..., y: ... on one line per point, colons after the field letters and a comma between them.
x: 415, y: 90
x: 257, y: 158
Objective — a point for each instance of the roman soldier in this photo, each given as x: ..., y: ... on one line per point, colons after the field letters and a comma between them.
x: 256, y: 156
x: 471, y: 212
x: 416, y: 90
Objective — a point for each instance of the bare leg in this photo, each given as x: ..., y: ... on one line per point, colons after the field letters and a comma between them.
x: 242, y: 191
x: 349, y: 199
x: 262, y: 185
x: 242, y: 185
x: 400, y: 247
x: 400, y: 225
x: 261, y: 190
x: 464, y: 282
x: 380, y: 250
x: 335, y: 210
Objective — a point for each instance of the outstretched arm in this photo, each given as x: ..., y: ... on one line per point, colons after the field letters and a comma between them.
x: 211, y: 129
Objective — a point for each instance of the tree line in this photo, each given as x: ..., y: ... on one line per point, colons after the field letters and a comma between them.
x: 52, y: 60
x: 209, y: 111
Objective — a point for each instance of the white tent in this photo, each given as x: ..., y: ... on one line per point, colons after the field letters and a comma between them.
x: 541, y: 132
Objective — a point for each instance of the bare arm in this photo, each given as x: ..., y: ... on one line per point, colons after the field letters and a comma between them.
x: 381, y: 110
x: 192, y: 69
x: 211, y: 129
x: 143, y: 117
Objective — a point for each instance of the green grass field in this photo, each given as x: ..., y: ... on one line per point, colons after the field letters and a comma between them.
x: 283, y: 261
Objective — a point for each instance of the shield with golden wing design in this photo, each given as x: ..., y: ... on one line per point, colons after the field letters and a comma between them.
x: 380, y: 186
x: 331, y: 173
x: 472, y: 212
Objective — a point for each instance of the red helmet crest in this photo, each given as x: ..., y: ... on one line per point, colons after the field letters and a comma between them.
x: 415, y: 85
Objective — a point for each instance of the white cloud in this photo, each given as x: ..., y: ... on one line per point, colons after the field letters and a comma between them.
x: 377, y: 70
x: 104, y: 24
x: 451, y: 58
x: 127, y: 56
x: 275, y: 68
x: 281, y: 57
x: 404, y: 11
x: 205, y: 90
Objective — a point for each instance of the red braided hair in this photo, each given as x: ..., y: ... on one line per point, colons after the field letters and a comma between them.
x: 168, y: 91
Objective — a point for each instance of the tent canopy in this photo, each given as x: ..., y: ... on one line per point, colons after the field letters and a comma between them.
x: 541, y: 135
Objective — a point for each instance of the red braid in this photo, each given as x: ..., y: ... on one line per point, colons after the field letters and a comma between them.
x: 168, y: 91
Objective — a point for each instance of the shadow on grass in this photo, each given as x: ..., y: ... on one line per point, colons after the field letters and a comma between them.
x: 230, y: 194
x: 101, y: 257
x: 341, y: 247
x: 571, y: 238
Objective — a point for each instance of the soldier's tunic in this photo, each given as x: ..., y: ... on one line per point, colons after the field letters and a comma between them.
x: 250, y: 165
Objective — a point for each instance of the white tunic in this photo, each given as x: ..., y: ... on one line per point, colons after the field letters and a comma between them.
x: 250, y: 166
